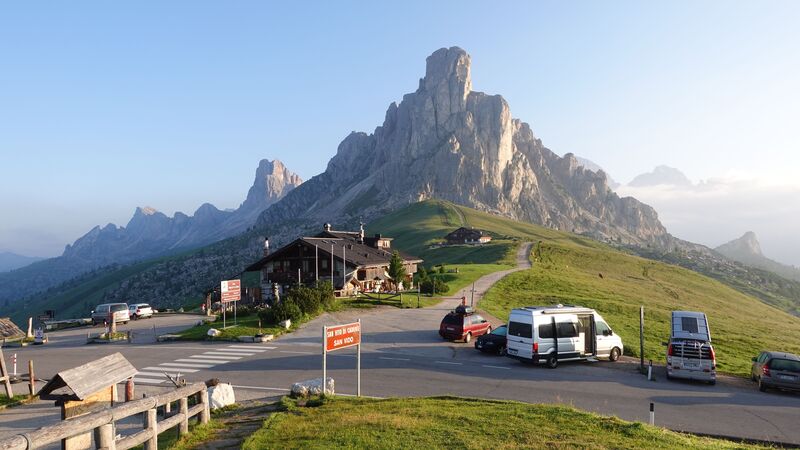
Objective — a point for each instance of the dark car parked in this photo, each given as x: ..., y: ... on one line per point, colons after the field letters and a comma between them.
x: 463, y: 324
x: 776, y: 370
x: 494, y: 342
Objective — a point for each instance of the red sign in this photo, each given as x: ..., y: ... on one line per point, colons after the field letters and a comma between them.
x: 342, y: 336
x: 230, y: 290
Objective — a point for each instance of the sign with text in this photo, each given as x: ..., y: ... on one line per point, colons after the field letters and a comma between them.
x: 342, y: 336
x: 230, y: 291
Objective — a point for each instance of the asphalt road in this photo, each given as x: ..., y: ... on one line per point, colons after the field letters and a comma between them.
x: 402, y: 355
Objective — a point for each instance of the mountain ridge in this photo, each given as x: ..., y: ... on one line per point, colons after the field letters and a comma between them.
x: 747, y: 250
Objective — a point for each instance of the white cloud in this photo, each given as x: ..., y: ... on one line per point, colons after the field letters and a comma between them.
x: 722, y: 208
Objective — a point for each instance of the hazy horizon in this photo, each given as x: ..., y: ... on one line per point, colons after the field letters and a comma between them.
x: 110, y: 107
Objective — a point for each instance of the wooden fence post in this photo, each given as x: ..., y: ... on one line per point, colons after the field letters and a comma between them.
x: 152, y: 424
x: 32, y: 381
x: 206, y: 413
x: 184, y: 411
x: 105, y: 437
x: 4, y: 376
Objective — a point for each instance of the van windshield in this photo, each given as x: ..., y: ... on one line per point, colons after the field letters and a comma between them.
x: 117, y: 308
x: 519, y: 329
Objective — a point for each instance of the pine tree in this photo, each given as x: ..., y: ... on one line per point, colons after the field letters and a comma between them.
x: 397, y: 272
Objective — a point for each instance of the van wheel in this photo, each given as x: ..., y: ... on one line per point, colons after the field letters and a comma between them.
x: 761, y: 386
x: 467, y: 338
x: 552, y: 362
x: 712, y: 382
x: 502, y: 351
x: 614, y: 355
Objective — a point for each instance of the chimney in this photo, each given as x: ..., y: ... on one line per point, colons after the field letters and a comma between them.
x: 327, y: 227
x: 266, y: 247
x: 361, y: 233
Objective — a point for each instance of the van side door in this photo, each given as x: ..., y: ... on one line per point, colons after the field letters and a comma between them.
x: 568, y: 336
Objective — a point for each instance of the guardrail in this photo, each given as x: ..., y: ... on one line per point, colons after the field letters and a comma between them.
x: 103, y: 422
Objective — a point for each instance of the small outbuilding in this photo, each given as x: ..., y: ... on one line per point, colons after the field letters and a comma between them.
x: 469, y: 236
x: 9, y: 331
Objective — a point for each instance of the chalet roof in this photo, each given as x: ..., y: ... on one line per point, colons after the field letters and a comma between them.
x: 470, y: 231
x: 356, y: 254
x: 9, y: 330
x: 83, y: 381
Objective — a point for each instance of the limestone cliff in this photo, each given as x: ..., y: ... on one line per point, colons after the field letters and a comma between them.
x: 449, y: 142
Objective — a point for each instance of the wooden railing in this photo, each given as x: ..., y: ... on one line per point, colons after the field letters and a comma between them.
x: 103, y: 422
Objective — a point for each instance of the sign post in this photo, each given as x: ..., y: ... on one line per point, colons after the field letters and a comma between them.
x: 338, y: 337
x: 230, y: 291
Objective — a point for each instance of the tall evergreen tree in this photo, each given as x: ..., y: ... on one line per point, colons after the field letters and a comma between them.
x: 397, y: 272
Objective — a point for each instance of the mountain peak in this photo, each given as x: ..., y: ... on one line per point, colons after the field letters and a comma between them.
x: 661, y: 175
x: 448, y: 69
x: 742, y: 248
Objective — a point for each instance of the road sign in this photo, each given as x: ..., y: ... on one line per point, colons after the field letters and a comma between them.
x: 338, y: 337
x: 342, y: 336
x: 230, y: 291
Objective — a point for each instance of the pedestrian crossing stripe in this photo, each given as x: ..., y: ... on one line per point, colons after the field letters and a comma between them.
x: 147, y: 380
x: 209, y: 361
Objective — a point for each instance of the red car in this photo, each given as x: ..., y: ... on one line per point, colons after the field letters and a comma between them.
x: 463, y: 324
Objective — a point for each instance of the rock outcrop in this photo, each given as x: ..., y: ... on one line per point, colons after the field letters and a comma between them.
x: 449, y: 142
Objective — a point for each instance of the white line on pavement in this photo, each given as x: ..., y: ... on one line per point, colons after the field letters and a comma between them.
x: 394, y: 359
x: 261, y: 388
x: 448, y: 362
x: 219, y: 355
x: 171, y: 370
x: 250, y: 348
x: 150, y: 374
x: 222, y: 351
x: 216, y: 358
x: 209, y: 361
x: 302, y: 353
x: 497, y: 367
x: 182, y: 365
x: 147, y: 380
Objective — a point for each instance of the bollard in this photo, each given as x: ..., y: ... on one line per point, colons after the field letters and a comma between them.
x: 14, y: 360
x: 652, y: 414
x: 650, y: 371
x: 129, y: 390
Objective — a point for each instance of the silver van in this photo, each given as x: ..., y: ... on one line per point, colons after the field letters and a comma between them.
x: 102, y: 313
x: 550, y: 334
x: 690, y: 354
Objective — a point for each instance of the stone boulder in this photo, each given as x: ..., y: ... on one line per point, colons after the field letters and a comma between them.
x: 312, y: 387
x: 221, y: 395
x: 213, y: 332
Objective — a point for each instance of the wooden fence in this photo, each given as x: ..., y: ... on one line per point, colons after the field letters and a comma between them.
x: 103, y: 422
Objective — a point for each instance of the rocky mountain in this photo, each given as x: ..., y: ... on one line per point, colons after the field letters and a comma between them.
x: 150, y: 233
x: 11, y: 261
x: 447, y: 141
x: 747, y: 250
x: 661, y: 175
x: 593, y: 166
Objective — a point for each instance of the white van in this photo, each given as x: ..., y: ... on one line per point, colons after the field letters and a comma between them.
x: 551, y: 334
x: 690, y: 354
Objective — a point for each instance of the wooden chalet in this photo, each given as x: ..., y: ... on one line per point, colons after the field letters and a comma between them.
x: 465, y: 235
x: 352, y: 261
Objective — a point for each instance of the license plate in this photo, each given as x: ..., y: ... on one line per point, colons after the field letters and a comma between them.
x: 787, y: 378
x: 690, y: 366
x: 449, y: 328
x: 513, y: 351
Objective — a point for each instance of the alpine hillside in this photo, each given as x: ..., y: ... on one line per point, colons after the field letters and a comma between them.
x: 747, y: 250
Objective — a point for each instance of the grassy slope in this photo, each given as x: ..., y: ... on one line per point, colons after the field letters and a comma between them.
x: 740, y: 325
x: 568, y: 271
x: 447, y: 422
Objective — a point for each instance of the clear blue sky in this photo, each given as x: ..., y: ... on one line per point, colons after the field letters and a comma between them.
x: 105, y: 106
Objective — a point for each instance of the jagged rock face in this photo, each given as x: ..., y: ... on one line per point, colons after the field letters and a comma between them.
x: 661, y: 175
x: 449, y: 142
x: 745, y: 246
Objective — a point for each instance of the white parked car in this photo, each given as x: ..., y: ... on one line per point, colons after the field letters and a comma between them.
x: 140, y: 311
x: 551, y: 334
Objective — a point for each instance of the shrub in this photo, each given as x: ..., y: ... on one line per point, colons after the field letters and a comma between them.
x: 306, y: 298
x: 286, y: 309
x: 427, y: 286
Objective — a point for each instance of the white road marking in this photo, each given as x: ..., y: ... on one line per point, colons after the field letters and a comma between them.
x: 496, y: 367
x: 448, y: 362
x: 302, y: 353
x: 147, y: 380
x: 261, y: 388
x: 182, y: 365
x: 222, y: 355
x: 172, y: 370
x: 251, y: 348
x: 394, y: 359
x: 233, y: 352
x: 150, y: 374
x: 209, y: 361
x: 216, y: 358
